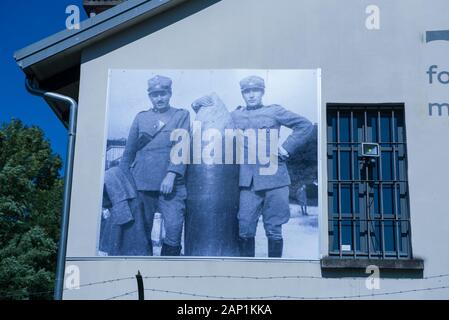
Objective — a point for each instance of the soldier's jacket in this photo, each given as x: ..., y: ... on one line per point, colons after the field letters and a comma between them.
x: 149, y: 162
x: 270, y: 117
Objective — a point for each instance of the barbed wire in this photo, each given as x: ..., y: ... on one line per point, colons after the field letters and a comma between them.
x: 21, y: 293
x: 102, y: 282
x: 122, y: 295
x: 361, y: 278
x: 435, y: 276
x: 296, y: 297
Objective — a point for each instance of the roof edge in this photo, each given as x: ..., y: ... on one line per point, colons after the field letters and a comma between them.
x: 91, y: 29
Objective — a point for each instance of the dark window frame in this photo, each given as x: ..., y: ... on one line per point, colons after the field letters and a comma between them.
x: 396, y: 147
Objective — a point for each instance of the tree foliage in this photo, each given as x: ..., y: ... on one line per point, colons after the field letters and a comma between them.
x: 303, y: 165
x: 30, y: 206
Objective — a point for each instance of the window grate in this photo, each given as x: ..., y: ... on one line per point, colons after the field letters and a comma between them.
x: 368, y: 201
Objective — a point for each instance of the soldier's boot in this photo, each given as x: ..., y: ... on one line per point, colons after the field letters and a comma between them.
x: 247, y: 247
x: 275, y: 248
x: 170, y: 250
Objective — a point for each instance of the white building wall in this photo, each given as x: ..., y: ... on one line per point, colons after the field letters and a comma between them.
x: 358, y: 66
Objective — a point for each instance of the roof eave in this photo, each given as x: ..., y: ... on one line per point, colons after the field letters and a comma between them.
x: 62, y: 51
x: 91, y: 30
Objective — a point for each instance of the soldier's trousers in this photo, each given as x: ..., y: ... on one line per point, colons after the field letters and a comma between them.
x: 172, y: 207
x: 272, y: 204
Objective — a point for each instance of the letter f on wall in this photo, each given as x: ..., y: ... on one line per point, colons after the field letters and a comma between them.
x: 431, y: 72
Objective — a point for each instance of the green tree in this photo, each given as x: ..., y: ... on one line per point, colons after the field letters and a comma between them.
x: 30, y: 206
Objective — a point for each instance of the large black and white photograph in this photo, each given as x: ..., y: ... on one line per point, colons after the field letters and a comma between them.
x: 211, y: 163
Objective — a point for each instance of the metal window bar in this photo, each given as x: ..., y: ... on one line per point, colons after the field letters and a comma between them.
x: 351, y: 176
x: 367, y: 205
x: 395, y: 177
x: 362, y: 253
x: 380, y: 188
x: 340, y: 240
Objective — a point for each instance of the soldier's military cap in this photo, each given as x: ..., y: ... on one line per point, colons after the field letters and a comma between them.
x: 159, y: 83
x: 252, y: 82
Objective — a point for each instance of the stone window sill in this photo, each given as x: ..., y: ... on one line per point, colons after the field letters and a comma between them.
x: 336, y: 263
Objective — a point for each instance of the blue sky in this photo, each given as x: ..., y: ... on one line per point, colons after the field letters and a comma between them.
x: 23, y: 23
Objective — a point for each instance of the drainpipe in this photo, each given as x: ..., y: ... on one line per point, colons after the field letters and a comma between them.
x: 60, y: 267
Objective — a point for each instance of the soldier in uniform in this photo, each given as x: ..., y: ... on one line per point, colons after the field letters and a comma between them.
x: 160, y: 183
x: 266, y: 195
x: 301, y: 196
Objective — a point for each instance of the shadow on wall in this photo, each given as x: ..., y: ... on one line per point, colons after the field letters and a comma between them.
x: 149, y: 26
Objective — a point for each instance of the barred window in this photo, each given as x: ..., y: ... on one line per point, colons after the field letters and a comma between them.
x: 367, y: 196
